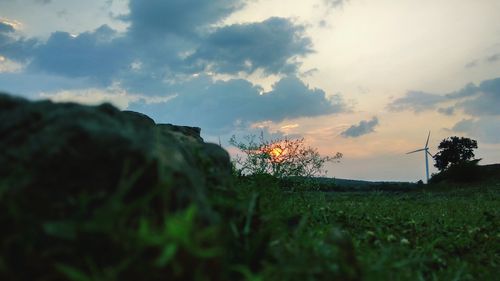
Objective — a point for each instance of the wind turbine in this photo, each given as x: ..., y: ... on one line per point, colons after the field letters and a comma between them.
x: 426, y: 152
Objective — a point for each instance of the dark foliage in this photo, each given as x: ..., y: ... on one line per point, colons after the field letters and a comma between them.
x: 467, y: 171
x: 453, y: 151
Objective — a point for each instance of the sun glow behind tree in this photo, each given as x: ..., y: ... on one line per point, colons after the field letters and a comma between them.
x: 276, y: 154
x: 282, y: 157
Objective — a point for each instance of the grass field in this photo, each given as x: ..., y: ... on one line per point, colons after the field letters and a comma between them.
x: 442, y: 232
x: 257, y: 230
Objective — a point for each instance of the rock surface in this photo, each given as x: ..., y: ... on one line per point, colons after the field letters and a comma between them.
x: 55, y: 149
x: 92, y: 187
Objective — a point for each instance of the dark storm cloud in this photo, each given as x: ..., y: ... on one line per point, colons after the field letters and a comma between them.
x: 223, y: 106
x: 167, y: 45
x: 106, y: 56
x: 291, y: 98
x: 94, y: 54
x: 269, y: 45
x: 183, y: 17
x: 362, y: 128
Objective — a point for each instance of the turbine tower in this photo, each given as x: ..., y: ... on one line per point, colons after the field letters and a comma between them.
x: 426, y: 152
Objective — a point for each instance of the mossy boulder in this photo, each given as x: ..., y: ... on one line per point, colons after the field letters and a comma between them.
x: 85, y: 187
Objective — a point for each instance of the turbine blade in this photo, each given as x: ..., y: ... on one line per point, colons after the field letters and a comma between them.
x: 430, y: 154
x: 422, y: 149
x: 427, y: 142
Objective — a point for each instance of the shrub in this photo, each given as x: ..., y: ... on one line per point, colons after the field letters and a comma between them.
x: 281, y: 157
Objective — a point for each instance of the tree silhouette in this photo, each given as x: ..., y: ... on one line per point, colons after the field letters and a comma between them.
x: 453, y: 151
x: 281, y: 157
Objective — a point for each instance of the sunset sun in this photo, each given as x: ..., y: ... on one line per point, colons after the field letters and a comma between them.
x: 276, y: 152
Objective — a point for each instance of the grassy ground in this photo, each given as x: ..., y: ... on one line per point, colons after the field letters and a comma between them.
x: 259, y: 231
x: 441, y: 232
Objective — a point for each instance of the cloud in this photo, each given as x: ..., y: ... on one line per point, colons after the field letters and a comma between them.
x: 465, y: 125
x: 170, y: 41
x: 447, y: 110
x: 486, y: 129
x: 472, y: 99
x: 91, y: 96
x: 97, y: 55
x: 362, y: 128
x: 484, y: 105
x: 471, y: 64
x: 170, y: 50
x: 482, y: 102
x: 8, y: 66
x: 335, y: 3
x: 222, y: 106
x: 31, y: 84
x: 12, y: 47
x: 486, y: 99
x: 270, y: 45
x: 493, y: 58
x: 417, y: 101
x: 182, y: 17
x: 6, y: 28
x: 113, y: 95
x: 468, y: 90
x: 43, y: 2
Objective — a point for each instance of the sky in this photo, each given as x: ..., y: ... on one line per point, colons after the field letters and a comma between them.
x: 368, y: 78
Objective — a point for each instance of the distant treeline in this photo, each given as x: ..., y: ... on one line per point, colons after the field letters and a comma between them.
x: 343, y: 185
x: 468, y: 171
